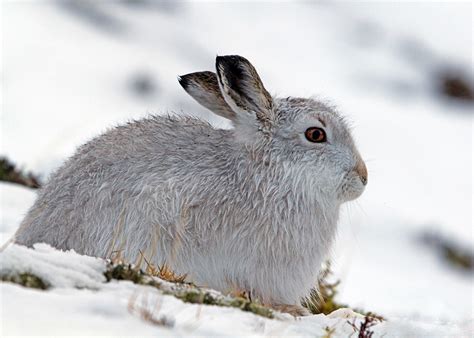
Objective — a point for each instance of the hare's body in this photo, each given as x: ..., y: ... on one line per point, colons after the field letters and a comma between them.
x: 180, y: 215
x: 245, y: 209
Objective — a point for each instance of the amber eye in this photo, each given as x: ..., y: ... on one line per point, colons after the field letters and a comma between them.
x: 315, y: 134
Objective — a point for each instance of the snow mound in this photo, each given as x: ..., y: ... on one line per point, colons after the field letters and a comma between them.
x: 55, y: 268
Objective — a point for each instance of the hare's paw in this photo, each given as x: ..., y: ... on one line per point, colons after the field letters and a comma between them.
x: 345, y: 313
x: 294, y: 310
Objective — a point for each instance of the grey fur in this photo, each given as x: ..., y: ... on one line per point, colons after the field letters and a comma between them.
x: 254, y: 208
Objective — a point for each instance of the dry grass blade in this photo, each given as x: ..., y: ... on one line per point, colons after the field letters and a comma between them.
x: 163, y: 272
x: 145, y: 313
x: 322, y: 298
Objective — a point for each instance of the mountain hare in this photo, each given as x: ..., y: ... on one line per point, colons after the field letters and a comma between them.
x: 251, y: 209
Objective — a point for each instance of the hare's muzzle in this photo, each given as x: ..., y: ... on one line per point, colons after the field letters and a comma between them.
x: 361, y: 170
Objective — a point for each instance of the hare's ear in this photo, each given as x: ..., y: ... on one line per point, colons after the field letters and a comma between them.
x: 204, y: 88
x: 242, y: 88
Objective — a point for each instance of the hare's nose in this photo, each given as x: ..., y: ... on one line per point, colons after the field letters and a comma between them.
x: 361, y: 170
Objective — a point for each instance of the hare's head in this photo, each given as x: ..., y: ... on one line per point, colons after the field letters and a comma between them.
x: 309, y: 136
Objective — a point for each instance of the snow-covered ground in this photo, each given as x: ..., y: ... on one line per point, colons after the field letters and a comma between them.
x: 81, y: 302
x: 72, y: 69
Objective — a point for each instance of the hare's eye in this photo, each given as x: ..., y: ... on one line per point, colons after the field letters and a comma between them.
x: 315, y: 134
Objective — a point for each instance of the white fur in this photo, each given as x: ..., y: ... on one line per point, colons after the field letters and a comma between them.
x: 254, y: 208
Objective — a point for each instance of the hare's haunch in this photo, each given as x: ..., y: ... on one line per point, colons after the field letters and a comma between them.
x: 254, y: 208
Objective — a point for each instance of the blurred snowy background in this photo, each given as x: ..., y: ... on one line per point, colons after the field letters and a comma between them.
x: 402, y: 73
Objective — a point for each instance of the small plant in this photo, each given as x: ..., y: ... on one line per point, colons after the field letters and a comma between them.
x: 323, y: 298
x: 364, y: 328
x: 9, y: 173
x: 163, y: 272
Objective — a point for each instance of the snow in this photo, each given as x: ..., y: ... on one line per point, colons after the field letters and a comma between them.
x: 14, y: 203
x: 66, y: 78
x: 60, y: 269
x: 80, y: 302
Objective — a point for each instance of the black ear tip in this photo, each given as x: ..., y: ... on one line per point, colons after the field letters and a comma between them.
x: 231, y: 62
x: 230, y: 59
x: 220, y: 60
x: 183, y: 80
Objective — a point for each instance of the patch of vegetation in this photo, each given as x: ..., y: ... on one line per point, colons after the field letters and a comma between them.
x: 186, y: 292
x: 129, y: 272
x: 9, y: 173
x: 451, y: 252
x: 163, y: 272
x: 455, y: 85
x: 323, y: 298
x: 458, y: 257
x: 197, y: 296
x: 27, y: 280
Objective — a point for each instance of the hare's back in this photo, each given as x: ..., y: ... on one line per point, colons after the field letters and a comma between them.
x: 163, y: 136
x: 118, y: 170
x: 144, y: 150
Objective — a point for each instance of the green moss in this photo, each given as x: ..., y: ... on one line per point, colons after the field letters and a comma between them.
x: 208, y: 299
x: 191, y: 296
x: 257, y: 309
x: 128, y: 272
x: 188, y: 293
x: 27, y: 280
x: 196, y: 296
